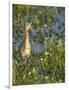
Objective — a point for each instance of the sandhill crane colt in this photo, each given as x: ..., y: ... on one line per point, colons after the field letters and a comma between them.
x: 25, y: 49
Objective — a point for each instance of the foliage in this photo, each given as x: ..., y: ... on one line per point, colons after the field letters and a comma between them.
x: 49, y: 65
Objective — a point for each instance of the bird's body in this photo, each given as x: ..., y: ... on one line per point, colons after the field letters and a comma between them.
x: 25, y: 49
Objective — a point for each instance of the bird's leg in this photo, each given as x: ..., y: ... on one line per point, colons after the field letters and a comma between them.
x: 26, y: 60
x: 26, y: 66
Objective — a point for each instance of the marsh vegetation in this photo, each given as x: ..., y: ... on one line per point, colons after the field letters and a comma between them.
x: 47, y: 37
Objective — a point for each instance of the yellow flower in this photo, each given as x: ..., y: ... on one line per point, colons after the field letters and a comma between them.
x: 41, y: 59
x: 46, y: 53
x: 24, y: 76
x: 35, y: 78
x: 29, y: 73
x: 34, y: 69
x: 46, y: 77
x: 45, y: 25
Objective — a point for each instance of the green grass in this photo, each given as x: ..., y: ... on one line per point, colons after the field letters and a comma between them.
x: 48, y: 67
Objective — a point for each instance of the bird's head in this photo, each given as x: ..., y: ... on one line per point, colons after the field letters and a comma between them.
x: 27, y: 26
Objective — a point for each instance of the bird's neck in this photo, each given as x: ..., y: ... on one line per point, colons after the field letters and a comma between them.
x: 26, y: 38
x: 26, y: 34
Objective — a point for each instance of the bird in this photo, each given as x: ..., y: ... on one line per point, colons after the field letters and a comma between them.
x: 25, y: 49
x: 29, y: 42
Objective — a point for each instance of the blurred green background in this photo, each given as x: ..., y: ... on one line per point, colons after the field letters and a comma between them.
x: 47, y: 38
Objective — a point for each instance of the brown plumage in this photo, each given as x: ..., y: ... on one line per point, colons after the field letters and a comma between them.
x: 25, y: 49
